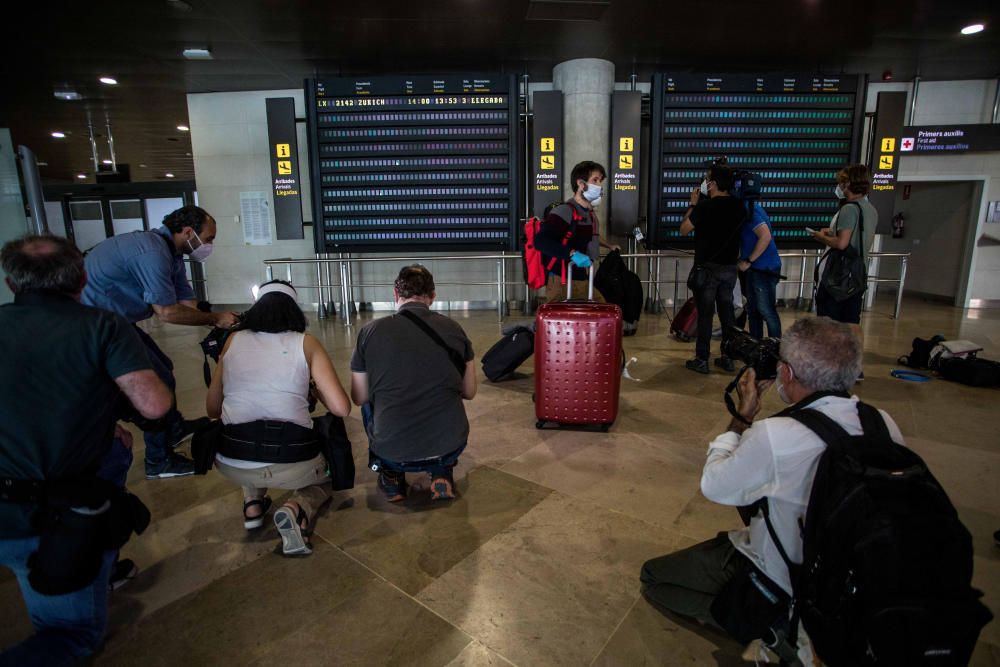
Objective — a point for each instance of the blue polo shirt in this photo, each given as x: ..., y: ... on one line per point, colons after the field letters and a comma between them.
x: 127, y: 274
x: 769, y: 259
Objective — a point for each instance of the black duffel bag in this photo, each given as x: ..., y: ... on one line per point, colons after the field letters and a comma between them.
x: 972, y: 371
x: 508, y: 353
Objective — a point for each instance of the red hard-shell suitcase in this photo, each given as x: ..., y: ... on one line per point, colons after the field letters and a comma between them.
x: 684, y: 326
x: 578, y: 357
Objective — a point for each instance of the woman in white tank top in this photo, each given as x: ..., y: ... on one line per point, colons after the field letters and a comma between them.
x: 264, y: 373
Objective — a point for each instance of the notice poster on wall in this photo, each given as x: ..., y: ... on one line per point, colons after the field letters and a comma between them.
x: 255, y: 213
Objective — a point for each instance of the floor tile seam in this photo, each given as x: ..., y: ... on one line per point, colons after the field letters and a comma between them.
x: 383, y: 579
x: 615, y: 630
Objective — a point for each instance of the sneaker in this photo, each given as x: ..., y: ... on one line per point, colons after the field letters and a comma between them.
x: 443, y: 487
x: 697, y: 365
x: 122, y: 572
x: 293, y: 542
x: 175, y: 466
x: 392, y: 486
x: 725, y: 363
x: 188, y: 428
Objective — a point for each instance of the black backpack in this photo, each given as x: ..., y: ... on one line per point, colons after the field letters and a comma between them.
x: 620, y: 286
x: 972, y: 371
x: 920, y: 354
x: 887, y: 565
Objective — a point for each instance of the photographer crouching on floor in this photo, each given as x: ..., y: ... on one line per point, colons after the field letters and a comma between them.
x: 771, y: 462
x: 62, y: 516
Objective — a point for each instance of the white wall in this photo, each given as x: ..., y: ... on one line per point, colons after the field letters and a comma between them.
x: 230, y: 150
x: 958, y: 102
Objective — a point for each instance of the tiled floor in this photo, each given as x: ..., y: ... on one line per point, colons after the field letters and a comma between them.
x: 537, y: 563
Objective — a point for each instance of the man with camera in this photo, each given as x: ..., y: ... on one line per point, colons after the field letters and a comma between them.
x: 62, y: 372
x: 715, y: 217
x: 139, y: 274
x: 772, y: 459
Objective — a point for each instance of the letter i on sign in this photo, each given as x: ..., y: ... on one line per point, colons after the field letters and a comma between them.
x: 283, y: 150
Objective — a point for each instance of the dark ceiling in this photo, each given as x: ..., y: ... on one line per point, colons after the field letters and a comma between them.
x: 268, y: 44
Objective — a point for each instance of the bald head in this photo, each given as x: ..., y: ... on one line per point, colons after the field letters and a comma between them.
x: 36, y: 262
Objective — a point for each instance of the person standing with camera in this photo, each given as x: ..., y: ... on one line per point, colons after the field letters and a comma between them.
x: 850, y: 233
x: 715, y: 217
x: 63, y: 370
x: 141, y: 274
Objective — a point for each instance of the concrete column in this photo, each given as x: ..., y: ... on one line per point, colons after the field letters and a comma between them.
x: 586, y: 85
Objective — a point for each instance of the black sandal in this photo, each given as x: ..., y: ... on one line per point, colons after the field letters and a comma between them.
x: 255, y: 522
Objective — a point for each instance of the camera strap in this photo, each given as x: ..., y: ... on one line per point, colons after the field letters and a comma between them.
x: 728, y: 396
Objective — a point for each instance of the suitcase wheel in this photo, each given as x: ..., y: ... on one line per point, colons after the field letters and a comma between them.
x: 605, y: 427
x: 539, y: 424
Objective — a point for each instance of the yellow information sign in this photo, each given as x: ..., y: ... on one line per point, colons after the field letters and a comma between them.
x: 283, y: 150
x: 284, y: 167
x: 624, y: 161
x: 885, y: 162
x: 625, y: 144
x: 548, y: 144
x: 888, y: 145
x: 548, y: 161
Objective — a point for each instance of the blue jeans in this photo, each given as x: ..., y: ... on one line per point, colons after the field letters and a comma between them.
x: 67, y: 627
x: 436, y: 467
x: 761, y: 297
x: 158, y: 443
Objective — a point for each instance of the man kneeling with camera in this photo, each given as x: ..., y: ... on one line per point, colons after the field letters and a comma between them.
x: 739, y: 581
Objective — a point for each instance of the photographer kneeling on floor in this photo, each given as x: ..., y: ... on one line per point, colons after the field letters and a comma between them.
x: 62, y: 519
x: 774, y: 459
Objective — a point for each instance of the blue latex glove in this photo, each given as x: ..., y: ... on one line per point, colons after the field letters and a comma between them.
x: 580, y: 259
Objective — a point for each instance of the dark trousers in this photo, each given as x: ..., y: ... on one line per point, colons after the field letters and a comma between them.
x: 158, y: 443
x: 686, y: 582
x: 436, y: 467
x: 717, y: 293
x: 761, y: 294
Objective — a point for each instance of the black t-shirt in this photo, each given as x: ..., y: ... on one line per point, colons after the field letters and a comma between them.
x: 57, y: 372
x: 414, y: 388
x: 717, y: 224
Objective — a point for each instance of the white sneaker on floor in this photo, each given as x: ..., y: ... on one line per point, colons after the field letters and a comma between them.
x: 293, y: 543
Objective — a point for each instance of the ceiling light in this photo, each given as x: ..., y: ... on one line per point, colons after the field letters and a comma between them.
x: 143, y: 165
x: 973, y: 29
x: 43, y: 164
x: 59, y: 135
x: 197, y: 54
x: 169, y: 175
x: 81, y: 176
x: 67, y: 95
x: 109, y: 80
x: 106, y: 161
x: 183, y: 128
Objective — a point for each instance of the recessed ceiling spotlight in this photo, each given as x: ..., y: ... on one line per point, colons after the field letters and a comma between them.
x: 169, y: 175
x: 197, y: 54
x: 106, y: 161
x: 81, y: 176
x: 59, y: 135
x: 67, y: 95
x: 973, y: 29
x: 43, y: 164
x: 111, y: 81
x: 183, y: 128
x: 143, y: 166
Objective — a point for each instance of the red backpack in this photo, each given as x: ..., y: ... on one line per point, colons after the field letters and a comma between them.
x: 535, y: 270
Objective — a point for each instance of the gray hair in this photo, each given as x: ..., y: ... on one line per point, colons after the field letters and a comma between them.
x: 824, y: 355
x: 43, y: 262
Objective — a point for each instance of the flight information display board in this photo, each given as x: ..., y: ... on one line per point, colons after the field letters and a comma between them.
x: 414, y: 163
x: 796, y: 131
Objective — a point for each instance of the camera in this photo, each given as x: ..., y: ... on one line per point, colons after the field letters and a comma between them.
x: 760, y: 354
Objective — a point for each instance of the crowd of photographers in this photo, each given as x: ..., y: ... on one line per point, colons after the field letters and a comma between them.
x: 63, y: 463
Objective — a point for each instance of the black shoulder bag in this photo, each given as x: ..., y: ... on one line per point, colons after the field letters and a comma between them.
x: 845, y: 274
x: 456, y: 358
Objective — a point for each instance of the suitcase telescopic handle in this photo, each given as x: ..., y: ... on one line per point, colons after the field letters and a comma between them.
x: 590, y: 282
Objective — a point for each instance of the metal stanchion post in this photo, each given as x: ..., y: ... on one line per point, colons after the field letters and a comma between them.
x: 677, y: 282
x: 658, y: 302
x: 500, y: 290
x: 345, y: 306
x: 328, y: 269
x: 270, y: 273
x: 649, y: 280
x: 802, y: 282
x: 320, y: 290
x: 288, y: 272
x: 503, y: 284
x: 899, y: 290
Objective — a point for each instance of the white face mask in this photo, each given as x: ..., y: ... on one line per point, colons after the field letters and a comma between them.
x: 201, y: 253
x: 839, y: 192
x: 592, y: 193
x: 704, y: 187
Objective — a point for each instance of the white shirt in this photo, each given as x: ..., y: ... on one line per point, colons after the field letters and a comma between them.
x: 775, y: 458
x: 265, y: 376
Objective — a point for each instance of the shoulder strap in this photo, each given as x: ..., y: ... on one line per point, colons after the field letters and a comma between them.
x: 453, y: 355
